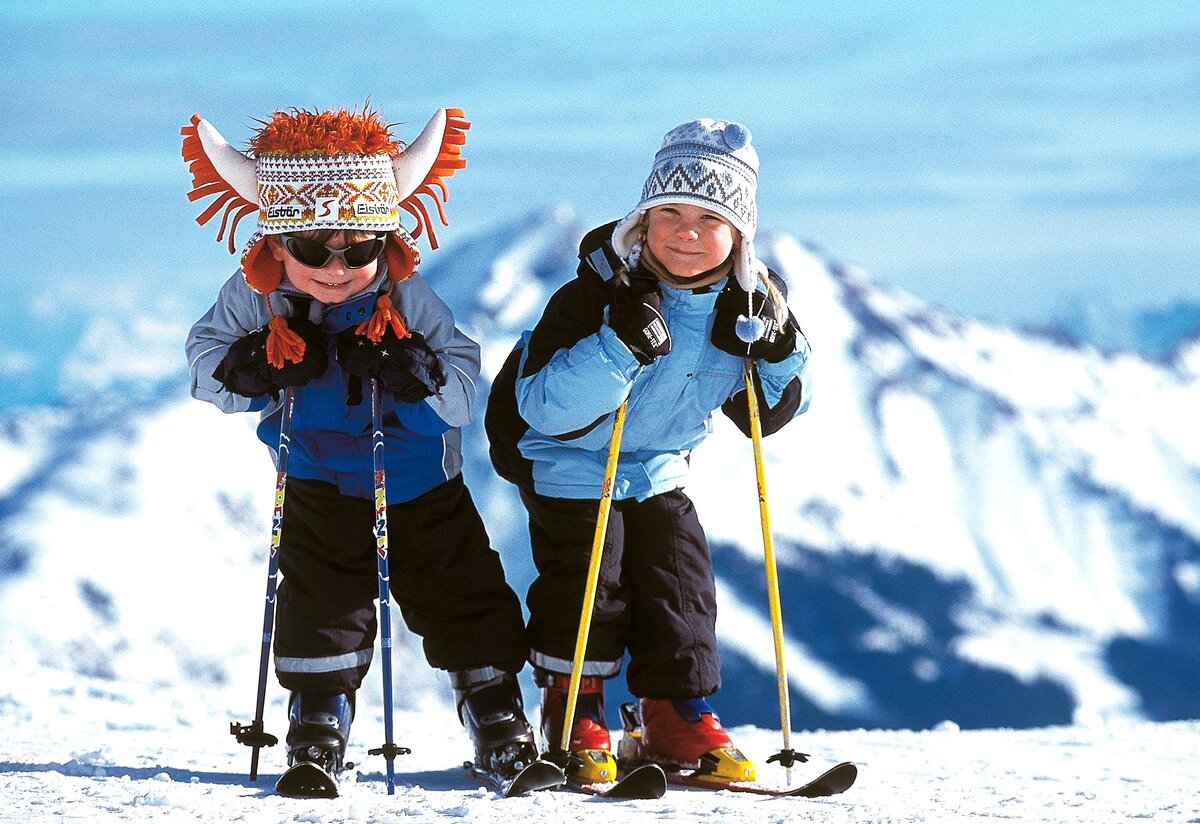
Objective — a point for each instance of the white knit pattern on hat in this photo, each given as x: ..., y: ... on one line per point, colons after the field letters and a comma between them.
x: 318, y: 191
x: 711, y: 164
x: 706, y: 163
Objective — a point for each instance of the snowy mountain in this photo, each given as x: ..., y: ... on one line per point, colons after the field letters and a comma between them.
x: 1152, y: 331
x: 973, y: 524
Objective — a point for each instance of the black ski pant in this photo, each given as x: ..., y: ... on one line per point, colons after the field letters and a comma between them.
x: 656, y: 595
x: 445, y: 578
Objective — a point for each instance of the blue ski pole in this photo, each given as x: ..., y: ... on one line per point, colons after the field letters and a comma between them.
x: 252, y: 735
x: 389, y: 750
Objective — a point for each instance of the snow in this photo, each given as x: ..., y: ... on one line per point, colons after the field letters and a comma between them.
x: 16, y: 459
x: 79, y: 749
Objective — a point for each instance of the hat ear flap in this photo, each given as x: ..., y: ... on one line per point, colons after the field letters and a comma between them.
x: 260, y: 268
x: 627, y: 233
x: 403, y: 256
x: 746, y: 266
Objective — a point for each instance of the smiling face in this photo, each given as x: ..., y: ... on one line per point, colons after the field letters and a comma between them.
x: 334, y: 282
x: 687, y: 239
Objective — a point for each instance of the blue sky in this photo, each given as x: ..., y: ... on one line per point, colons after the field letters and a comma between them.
x: 1002, y: 161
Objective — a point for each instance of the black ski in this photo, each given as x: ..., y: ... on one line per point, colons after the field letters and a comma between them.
x: 644, y: 781
x: 540, y: 775
x: 307, y: 780
x: 833, y: 781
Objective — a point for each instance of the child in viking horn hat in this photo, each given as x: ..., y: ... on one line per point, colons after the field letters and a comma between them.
x: 327, y: 297
x: 669, y: 304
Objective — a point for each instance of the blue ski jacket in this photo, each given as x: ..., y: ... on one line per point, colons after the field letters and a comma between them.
x: 550, y: 415
x: 331, y: 440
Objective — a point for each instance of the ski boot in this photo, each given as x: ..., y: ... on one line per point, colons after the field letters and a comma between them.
x: 589, y: 759
x: 317, y: 733
x: 490, y: 707
x: 683, y: 735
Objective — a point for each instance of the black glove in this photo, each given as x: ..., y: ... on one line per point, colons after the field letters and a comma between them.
x: 635, y: 314
x: 778, y: 340
x: 407, y: 367
x: 245, y: 370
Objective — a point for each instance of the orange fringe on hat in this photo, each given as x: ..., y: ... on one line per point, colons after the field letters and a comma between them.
x: 334, y: 132
x: 206, y: 181
x: 449, y: 161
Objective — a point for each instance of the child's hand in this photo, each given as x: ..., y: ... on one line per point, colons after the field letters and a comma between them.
x: 732, y: 326
x: 245, y: 371
x: 635, y: 314
x: 406, y: 367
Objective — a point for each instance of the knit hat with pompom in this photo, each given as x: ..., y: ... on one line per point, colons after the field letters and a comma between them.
x: 706, y: 163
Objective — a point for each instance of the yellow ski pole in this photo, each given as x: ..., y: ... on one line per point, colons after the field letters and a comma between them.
x: 787, y: 756
x: 593, y: 577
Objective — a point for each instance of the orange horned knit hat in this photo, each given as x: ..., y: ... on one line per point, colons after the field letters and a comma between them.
x: 336, y: 170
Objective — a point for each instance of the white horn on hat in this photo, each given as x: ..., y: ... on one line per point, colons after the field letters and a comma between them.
x: 220, y: 171
x: 235, y: 168
x: 421, y: 167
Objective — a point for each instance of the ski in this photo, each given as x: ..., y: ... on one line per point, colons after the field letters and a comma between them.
x: 644, y: 781
x: 307, y: 780
x: 540, y: 775
x: 833, y: 781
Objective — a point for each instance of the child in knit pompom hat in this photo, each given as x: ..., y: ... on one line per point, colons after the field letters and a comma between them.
x: 328, y: 301
x: 669, y: 306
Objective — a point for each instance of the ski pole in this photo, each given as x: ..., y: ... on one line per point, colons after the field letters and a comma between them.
x: 589, y: 594
x: 787, y: 756
x: 252, y: 735
x: 389, y: 750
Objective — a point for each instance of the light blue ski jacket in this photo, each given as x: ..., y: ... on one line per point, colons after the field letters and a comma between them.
x: 572, y: 372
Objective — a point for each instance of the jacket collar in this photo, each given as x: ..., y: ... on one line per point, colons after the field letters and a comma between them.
x: 335, y: 317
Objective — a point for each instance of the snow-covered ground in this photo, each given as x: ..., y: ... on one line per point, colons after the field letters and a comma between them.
x: 88, y: 750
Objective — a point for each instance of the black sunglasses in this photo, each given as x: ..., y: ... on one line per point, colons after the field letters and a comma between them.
x: 316, y: 255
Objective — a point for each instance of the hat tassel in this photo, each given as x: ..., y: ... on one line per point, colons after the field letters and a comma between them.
x: 282, y: 343
x: 385, y: 315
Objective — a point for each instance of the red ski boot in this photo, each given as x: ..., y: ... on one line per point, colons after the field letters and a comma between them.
x: 688, y: 735
x: 590, y: 745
